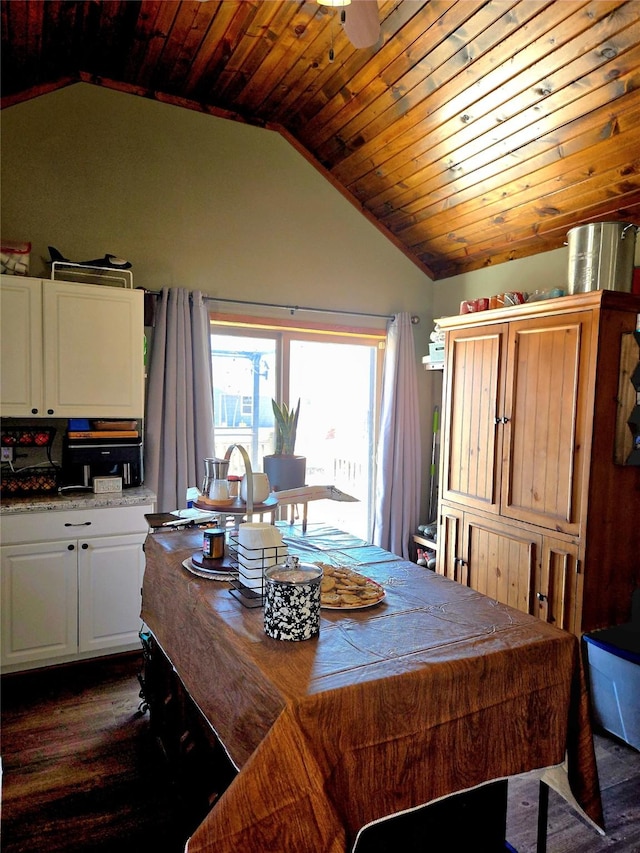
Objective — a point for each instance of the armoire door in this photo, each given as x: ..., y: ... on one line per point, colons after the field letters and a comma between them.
x: 544, y: 420
x: 559, y: 587
x: 500, y: 561
x: 449, y: 552
x: 473, y: 399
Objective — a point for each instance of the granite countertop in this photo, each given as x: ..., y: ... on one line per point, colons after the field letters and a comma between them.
x: 78, y: 500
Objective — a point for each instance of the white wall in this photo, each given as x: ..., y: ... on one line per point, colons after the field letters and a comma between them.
x: 540, y: 272
x: 215, y: 205
x: 200, y: 202
x: 192, y: 201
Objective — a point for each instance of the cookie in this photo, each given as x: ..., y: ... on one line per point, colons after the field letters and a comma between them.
x: 327, y: 584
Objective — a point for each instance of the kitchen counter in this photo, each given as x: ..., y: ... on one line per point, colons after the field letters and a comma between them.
x: 72, y: 568
x: 78, y: 500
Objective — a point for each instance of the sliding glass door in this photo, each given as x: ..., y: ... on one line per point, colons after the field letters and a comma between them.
x: 336, y: 377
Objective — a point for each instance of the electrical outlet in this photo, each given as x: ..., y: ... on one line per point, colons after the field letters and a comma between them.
x: 6, y: 454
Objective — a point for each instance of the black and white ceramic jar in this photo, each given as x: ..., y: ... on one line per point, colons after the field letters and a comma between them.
x: 292, y: 600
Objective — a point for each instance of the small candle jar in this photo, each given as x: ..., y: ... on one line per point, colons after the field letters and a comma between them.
x: 213, y: 543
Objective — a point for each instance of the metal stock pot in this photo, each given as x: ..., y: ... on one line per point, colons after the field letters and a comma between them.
x: 601, y: 256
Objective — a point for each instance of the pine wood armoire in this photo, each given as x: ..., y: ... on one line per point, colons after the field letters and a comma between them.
x: 533, y: 509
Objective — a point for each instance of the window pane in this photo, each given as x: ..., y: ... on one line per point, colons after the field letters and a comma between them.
x: 244, y: 382
x: 336, y: 385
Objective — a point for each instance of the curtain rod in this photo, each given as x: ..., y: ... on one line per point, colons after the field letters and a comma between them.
x: 293, y: 308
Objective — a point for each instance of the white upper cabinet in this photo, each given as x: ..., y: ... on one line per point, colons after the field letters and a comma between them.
x: 21, y: 361
x: 71, y: 350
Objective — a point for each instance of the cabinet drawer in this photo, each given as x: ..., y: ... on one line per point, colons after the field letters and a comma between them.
x: 73, y: 524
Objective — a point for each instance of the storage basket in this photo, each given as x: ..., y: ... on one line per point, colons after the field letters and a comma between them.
x: 29, y: 482
x: 14, y: 258
x: 27, y: 436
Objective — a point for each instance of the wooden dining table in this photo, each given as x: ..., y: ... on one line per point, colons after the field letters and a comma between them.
x: 436, y: 689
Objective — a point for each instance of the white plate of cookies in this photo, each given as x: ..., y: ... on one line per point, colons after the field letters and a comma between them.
x: 343, y: 588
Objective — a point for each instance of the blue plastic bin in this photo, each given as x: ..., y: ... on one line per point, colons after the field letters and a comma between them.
x: 614, y: 675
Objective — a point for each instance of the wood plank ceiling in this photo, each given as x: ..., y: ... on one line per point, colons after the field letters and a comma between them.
x: 471, y: 133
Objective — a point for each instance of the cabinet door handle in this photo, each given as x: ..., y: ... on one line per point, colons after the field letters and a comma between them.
x: 541, y: 596
x: 84, y: 546
x: 71, y: 547
x: 505, y: 420
x: 34, y: 411
x: 77, y: 524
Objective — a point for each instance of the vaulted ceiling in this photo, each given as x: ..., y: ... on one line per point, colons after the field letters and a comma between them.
x: 470, y: 133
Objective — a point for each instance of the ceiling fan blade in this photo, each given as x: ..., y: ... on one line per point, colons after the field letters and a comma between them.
x: 362, y: 23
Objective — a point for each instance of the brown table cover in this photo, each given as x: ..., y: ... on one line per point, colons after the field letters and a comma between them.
x: 435, y: 690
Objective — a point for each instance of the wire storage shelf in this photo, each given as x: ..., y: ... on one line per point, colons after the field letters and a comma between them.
x: 27, y: 436
x: 19, y: 480
x: 29, y: 482
x: 250, y: 564
x: 88, y: 274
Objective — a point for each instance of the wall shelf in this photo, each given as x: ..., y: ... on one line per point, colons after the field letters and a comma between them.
x: 432, y: 365
x: 424, y: 542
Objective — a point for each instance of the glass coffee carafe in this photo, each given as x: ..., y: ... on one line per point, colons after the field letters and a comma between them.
x: 215, y: 485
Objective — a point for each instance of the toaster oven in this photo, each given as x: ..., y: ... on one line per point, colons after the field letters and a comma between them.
x: 84, y: 459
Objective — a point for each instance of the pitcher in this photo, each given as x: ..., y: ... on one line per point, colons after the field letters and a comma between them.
x: 214, y: 485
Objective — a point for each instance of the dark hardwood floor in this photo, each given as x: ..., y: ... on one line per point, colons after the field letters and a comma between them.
x: 81, y: 771
x: 82, y: 774
x: 619, y: 772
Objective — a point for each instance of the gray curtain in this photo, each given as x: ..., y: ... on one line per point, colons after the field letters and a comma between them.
x: 398, y: 481
x: 179, y: 421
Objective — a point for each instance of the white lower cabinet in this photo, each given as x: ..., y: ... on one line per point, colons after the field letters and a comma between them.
x: 74, y: 597
x: 110, y: 573
x: 39, y: 601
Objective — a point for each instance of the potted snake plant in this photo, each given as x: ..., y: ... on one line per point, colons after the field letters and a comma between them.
x: 283, y: 467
